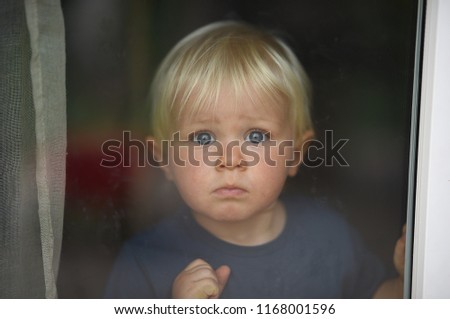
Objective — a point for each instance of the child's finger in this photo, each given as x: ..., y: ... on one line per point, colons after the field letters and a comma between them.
x: 207, y: 288
x: 213, y: 287
x: 200, y: 269
x: 222, y: 273
x: 399, y: 253
x: 196, y: 263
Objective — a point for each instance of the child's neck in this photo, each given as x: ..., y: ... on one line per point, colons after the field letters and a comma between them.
x: 258, y: 230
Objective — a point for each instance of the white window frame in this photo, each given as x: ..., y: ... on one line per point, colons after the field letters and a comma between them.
x: 431, y: 247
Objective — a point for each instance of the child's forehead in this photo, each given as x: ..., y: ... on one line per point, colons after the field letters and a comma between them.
x: 228, y: 102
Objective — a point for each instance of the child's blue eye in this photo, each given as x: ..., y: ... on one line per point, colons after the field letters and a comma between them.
x: 256, y: 137
x: 203, y: 138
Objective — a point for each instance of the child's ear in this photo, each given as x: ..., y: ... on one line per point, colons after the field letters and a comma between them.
x: 300, y: 149
x: 158, y: 156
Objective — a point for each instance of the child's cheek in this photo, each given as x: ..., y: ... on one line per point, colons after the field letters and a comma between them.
x: 280, y: 154
x: 185, y: 156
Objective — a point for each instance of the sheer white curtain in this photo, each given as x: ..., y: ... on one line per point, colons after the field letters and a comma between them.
x: 32, y: 146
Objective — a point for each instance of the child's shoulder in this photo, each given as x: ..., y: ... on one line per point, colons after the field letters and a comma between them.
x: 315, y: 215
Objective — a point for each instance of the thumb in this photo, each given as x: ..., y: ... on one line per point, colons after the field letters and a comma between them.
x: 222, y: 273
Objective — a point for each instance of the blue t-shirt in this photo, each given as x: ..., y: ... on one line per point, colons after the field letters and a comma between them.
x: 317, y: 255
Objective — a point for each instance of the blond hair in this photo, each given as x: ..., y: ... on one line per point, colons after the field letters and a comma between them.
x: 191, y: 76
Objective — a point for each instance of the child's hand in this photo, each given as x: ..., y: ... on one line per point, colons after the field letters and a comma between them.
x: 399, y: 254
x: 393, y: 288
x: 200, y: 280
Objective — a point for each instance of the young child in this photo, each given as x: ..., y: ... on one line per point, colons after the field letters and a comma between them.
x: 233, y: 102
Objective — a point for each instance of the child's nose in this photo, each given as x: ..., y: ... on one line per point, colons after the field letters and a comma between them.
x: 232, y: 156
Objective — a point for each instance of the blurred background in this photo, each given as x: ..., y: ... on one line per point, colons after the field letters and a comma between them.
x: 358, y: 54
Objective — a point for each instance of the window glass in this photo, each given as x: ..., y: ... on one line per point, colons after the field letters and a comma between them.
x: 358, y: 55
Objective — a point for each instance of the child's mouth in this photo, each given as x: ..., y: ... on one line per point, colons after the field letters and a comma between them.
x: 230, y: 191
